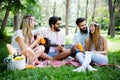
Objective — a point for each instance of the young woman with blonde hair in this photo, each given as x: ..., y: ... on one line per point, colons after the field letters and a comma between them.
x: 23, y: 40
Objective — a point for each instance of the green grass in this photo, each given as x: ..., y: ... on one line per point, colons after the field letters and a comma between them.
x: 64, y: 72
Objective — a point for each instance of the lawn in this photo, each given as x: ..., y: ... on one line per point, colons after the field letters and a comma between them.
x: 65, y: 72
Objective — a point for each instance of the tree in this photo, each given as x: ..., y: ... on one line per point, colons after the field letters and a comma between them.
x: 7, y: 6
x: 111, y: 30
x: 11, y: 5
x: 78, y: 8
x: 16, y: 8
x: 86, y: 9
x: 54, y: 7
x: 67, y: 15
x: 94, y: 10
x: 116, y: 11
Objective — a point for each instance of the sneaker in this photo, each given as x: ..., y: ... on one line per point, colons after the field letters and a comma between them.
x: 90, y: 68
x: 79, y: 69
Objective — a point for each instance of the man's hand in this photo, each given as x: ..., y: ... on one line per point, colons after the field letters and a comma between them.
x: 74, y: 48
x: 60, y: 48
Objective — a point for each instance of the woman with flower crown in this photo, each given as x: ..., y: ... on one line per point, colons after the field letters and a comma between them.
x: 23, y: 41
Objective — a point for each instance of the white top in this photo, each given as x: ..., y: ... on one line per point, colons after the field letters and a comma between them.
x: 54, y: 37
x: 14, y: 43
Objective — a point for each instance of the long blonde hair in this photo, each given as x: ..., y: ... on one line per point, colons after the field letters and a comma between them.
x: 27, y: 28
x: 95, y: 38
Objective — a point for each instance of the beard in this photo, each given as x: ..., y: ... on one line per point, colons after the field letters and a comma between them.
x: 57, y: 29
x: 84, y: 30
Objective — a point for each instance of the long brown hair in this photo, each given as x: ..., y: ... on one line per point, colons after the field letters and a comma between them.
x: 26, y: 28
x: 95, y: 38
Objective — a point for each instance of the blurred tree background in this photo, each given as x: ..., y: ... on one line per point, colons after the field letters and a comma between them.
x: 106, y: 12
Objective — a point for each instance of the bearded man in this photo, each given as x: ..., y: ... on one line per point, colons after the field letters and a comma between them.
x: 56, y: 36
x: 82, y: 34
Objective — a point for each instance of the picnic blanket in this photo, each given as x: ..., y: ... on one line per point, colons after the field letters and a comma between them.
x: 56, y: 63
x: 68, y: 62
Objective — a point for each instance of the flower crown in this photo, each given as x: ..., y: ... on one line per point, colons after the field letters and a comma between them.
x: 95, y: 23
x: 28, y: 16
x: 32, y: 17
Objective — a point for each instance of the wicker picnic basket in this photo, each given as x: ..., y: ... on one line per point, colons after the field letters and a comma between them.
x: 14, y: 60
x: 17, y: 64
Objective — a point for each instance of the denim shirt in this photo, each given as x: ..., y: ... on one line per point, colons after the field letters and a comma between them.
x: 80, y: 38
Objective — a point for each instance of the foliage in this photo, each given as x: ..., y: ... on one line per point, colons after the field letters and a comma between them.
x: 33, y: 8
x: 2, y: 34
x: 11, y: 5
x: 22, y: 7
x: 104, y: 23
x: 3, y: 50
x: 117, y: 21
x: 43, y: 9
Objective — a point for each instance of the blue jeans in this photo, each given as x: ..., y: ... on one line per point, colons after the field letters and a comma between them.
x: 52, y: 54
